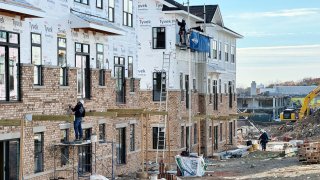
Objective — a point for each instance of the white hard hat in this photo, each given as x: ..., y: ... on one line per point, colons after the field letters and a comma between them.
x: 82, y: 101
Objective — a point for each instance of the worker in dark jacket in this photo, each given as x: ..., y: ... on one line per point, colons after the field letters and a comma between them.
x: 264, y: 138
x: 182, y: 31
x: 79, y: 113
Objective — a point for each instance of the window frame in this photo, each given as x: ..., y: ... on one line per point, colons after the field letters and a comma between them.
x: 182, y: 145
x: 87, y: 81
x: 120, y: 95
x: 81, y: 2
x: 126, y: 13
x: 156, y: 90
x: 111, y: 8
x: 195, y: 133
x: 121, y: 159
x: 156, y: 140
x: 65, y: 149
x: 226, y: 52
x: 156, y: 38
x: 102, y: 133
x: 220, y: 50
x: 132, y: 137
x: 7, y: 45
x: 63, y: 70
x: 40, y: 153
x: 39, y: 66
x: 101, y: 4
x: 214, y: 49
x: 102, y: 72
x: 233, y: 57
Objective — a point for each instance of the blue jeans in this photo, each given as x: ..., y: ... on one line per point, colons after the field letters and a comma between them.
x: 77, y: 127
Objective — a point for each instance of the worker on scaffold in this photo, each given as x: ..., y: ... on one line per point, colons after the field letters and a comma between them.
x: 182, y: 31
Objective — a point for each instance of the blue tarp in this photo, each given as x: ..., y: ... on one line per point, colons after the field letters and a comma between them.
x: 199, y: 42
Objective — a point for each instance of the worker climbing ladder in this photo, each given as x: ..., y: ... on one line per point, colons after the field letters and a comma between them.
x: 161, y: 140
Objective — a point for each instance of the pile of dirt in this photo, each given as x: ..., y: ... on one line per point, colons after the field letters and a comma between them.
x: 306, y: 129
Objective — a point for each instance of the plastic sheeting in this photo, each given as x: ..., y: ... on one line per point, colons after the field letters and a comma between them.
x: 98, y: 177
x: 191, y: 166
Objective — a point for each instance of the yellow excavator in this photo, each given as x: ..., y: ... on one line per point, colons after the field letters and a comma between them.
x: 294, y: 114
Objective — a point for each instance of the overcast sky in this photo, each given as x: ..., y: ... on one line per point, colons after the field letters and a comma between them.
x: 281, y: 38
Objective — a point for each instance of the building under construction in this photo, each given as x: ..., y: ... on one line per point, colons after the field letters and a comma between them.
x: 147, y: 96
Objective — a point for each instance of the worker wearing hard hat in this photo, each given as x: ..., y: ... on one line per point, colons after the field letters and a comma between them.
x: 264, y: 139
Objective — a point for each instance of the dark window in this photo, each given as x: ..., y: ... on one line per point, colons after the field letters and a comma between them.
x: 226, y: 52
x: 194, y: 84
x: 83, y: 72
x: 234, y: 127
x: 195, y: 133
x: 221, y: 127
x: 181, y: 87
x: 220, y: 90
x: 232, y: 54
x: 64, y: 149
x: 215, y: 147
x: 9, y: 66
x: 186, y: 79
x: 99, y: 4
x: 100, y: 64
x: 130, y: 73
x: 111, y: 10
x: 9, y: 166
x: 130, y: 67
x: 182, y: 137
x: 121, y: 146
x: 102, y: 133
x: 188, y: 137
x: 214, y: 49
x: 86, y: 2
x: 85, y: 154
x: 209, y: 91
x: 230, y: 94
x: 215, y: 95
x: 159, y: 84
x: 119, y: 74
x: 62, y: 61
x: 132, y: 137
x: 230, y: 132
x: 220, y: 50
x: 158, y: 138
x: 36, y: 58
x: 159, y: 38
x: 127, y: 13
x: 210, y: 131
x: 38, y: 152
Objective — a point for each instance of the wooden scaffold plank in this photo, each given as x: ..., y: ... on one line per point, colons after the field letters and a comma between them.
x: 68, y: 118
x: 10, y: 122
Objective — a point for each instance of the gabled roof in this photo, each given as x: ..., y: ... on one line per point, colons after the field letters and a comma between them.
x: 199, y: 11
x: 21, y: 8
x: 213, y: 14
x: 175, y: 3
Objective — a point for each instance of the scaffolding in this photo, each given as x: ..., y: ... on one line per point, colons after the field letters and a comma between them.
x: 82, y: 169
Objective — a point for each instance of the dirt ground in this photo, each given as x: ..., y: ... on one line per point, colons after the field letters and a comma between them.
x: 261, y: 165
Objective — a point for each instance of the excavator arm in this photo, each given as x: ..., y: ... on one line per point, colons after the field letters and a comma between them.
x: 305, y: 106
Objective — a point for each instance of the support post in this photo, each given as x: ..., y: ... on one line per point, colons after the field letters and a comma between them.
x: 169, y: 144
x: 142, y: 142
x: 21, y: 150
x: 147, y: 119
